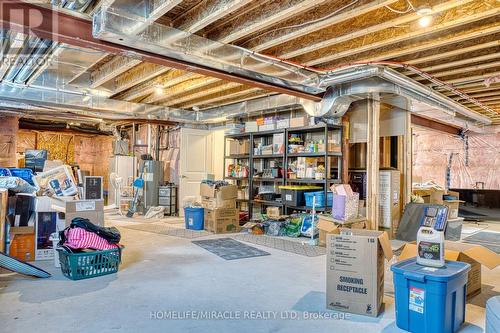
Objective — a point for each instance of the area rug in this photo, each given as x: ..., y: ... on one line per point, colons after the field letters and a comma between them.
x: 283, y: 244
x: 230, y: 249
x: 488, y: 239
x: 163, y: 229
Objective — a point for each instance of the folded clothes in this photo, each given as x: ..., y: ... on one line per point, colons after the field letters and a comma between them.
x: 79, y: 238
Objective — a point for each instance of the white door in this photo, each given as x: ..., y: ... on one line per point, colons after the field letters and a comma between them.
x: 195, y: 162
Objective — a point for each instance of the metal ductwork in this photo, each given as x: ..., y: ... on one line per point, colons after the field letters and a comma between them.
x: 343, y: 87
x: 360, y: 82
x: 33, y: 57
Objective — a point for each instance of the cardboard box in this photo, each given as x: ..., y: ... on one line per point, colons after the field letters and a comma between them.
x: 59, y: 181
x: 222, y: 220
x: 475, y: 255
x: 282, y: 123
x: 453, y: 206
x: 93, y: 210
x: 267, y: 127
x: 432, y: 196
x: 298, y: 122
x: 328, y: 225
x: 237, y: 147
x: 214, y: 203
x: 273, y: 212
x: 22, y: 247
x: 251, y: 126
x: 222, y: 193
x: 355, y: 271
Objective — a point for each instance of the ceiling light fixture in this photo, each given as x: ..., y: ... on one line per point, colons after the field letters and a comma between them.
x: 159, y: 90
x: 426, y: 19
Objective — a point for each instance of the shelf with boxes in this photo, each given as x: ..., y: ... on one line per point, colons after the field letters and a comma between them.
x: 276, y: 157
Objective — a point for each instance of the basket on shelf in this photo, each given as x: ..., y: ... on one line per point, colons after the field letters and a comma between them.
x: 85, y: 265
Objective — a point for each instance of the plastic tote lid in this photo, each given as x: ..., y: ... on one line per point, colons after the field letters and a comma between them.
x: 410, y: 269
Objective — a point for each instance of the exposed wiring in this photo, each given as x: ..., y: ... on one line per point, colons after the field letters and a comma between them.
x: 303, y: 24
x: 409, y: 9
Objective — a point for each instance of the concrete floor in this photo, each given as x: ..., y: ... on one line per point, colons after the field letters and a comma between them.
x: 163, y: 275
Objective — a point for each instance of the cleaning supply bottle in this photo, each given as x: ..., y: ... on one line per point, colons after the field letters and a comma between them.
x: 430, y: 237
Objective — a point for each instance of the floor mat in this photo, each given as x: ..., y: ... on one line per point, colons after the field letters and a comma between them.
x: 488, y: 239
x: 167, y: 230
x: 283, y: 244
x: 230, y: 249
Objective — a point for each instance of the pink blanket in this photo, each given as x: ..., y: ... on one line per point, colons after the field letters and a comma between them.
x: 78, y: 238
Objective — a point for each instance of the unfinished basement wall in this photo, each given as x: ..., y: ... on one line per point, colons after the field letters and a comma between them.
x: 90, y: 152
x: 8, y: 141
x: 432, y: 150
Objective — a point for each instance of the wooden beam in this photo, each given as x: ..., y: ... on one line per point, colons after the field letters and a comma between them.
x: 463, y: 70
x: 456, y: 82
x: 440, y: 42
x: 207, y: 12
x: 220, y: 88
x: 384, y: 25
x: 466, y: 61
x: 284, y: 35
x: 350, y: 49
x: 180, y: 89
x: 270, y: 14
x: 458, y: 51
x: 434, y: 125
x: 217, y: 96
x: 373, y: 162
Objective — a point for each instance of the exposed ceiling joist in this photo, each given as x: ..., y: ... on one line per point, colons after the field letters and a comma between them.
x: 207, y: 101
x: 439, y: 42
x: 284, y: 35
x: 109, y: 70
x: 388, y: 24
x: 207, y: 13
x: 219, y: 88
x: 463, y: 70
x: 469, y: 79
x: 466, y: 61
x: 336, y: 54
x: 140, y: 73
x: 179, y: 89
x: 270, y: 14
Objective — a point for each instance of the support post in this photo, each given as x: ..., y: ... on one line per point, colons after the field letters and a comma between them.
x: 373, y: 161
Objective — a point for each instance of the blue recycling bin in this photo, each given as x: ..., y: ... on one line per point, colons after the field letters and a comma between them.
x: 194, y: 218
x: 430, y: 299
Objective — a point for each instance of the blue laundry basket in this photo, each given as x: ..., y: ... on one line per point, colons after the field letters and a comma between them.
x: 429, y: 299
x: 194, y: 218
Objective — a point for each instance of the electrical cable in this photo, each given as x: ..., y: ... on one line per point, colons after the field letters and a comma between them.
x: 409, y: 9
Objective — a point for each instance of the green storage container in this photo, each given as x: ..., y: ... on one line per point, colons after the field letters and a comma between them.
x: 85, y: 265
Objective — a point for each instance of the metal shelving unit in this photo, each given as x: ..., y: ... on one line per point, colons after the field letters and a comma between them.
x: 285, y: 163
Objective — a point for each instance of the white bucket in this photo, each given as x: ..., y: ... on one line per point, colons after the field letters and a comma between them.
x: 54, y: 237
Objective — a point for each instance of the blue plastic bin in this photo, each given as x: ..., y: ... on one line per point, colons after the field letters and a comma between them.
x: 428, y: 299
x: 194, y: 218
x: 320, y: 199
x: 23, y: 173
x: 4, y: 172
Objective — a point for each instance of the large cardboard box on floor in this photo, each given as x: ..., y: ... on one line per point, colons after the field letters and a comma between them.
x: 355, y: 270
x: 475, y: 255
x: 432, y: 196
x: 222, y: 193
x: 222, y: 220
x: 214, y: 203
x: 328, y: 225
x: 93, y: 210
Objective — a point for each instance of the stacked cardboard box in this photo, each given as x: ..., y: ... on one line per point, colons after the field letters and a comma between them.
x: 221, y: 214
x: 328, y: 225
x: 93, y: 210
x: 355, y: 270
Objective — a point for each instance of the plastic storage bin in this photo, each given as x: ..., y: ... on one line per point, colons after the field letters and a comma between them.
x: 194, y: 218
x: 320, y: 199
x: 429, y: 299
x: 23, y: 173
x: 294, y: 195
x: 85, y: 265
x: 4, y: 172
